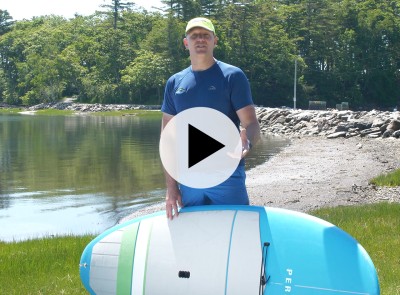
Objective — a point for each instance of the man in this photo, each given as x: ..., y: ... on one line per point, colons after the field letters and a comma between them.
x: 214, y: 84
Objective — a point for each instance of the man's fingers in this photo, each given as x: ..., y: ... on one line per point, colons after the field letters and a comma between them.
x: 245, y: 152
x: 172, y: 210
x: 168, y: 210
x: 175, y: 207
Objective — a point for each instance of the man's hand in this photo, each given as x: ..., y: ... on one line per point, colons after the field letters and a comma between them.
x: 173, y: 198
x: 245, y: 143
x: 251, y: 128
x: 173, y: 201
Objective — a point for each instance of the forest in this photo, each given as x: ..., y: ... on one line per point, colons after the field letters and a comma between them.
x: 330, y: 50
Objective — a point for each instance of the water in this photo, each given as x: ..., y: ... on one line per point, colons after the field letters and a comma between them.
x: 81, y: 174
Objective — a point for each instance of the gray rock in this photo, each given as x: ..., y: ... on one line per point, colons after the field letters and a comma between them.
x: 363, y: 124
x: 396, y: 134
x: 370, y: 130
x: 337, y: 134
x: 387, y: 133
x: 394, y: 125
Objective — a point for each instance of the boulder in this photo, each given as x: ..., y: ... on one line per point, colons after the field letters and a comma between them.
x: 337, y: 134
x: 394, y: 125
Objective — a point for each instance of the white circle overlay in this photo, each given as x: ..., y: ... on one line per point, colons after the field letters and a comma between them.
x: 213, y: 169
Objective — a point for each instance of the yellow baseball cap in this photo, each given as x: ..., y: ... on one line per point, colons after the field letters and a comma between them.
x: 200, y: 22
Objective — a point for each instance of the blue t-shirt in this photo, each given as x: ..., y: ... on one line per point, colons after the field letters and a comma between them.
x: 222, y: 87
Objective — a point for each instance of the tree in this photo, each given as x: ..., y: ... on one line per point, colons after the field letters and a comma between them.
x: 5, y: 21
x: 378, y: 38
x: 41, y: 72
x: 148, y: 71
x: 347, y: 50
x: 252, y: 38
x: 166, y: 39
x: 116, y: 7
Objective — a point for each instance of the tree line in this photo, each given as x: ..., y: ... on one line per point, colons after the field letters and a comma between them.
x: 345, y: 51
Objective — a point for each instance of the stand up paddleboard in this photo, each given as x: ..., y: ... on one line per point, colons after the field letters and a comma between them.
x: 235, y: 250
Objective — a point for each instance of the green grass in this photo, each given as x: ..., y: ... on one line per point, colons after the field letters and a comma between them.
x: 42, y: 266
x: 9, y: 111
x: 137, y: 113
x: 377, y: 228
x: 54, y: 112
x: 389, y: 179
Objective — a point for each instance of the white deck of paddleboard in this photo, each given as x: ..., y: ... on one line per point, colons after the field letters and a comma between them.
x: 220, y: 250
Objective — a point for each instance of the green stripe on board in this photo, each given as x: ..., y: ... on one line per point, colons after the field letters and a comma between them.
x: 125, y: 260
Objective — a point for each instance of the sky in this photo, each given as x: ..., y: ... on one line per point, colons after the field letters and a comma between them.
x: 26, y: 9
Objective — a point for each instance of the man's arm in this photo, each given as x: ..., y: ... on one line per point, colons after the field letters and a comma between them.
x: 249, y: 122
x: 173, y: 197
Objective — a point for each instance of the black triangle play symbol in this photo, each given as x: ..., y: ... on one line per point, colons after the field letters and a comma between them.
x: 201, y: 145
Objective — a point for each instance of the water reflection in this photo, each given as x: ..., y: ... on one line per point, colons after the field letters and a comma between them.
x: 81, y: 174
x: 86, y: 154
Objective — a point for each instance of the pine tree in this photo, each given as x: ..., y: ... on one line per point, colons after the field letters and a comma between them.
x: 5, y: 21
x: 116, y: 7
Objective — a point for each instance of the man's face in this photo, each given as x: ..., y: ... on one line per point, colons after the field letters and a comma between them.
x: 200, y: 41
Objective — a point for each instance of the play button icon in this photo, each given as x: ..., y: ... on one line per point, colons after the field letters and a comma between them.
x: 200, y: 147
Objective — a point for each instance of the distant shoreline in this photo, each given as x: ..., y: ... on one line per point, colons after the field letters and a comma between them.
x: 285, y: 122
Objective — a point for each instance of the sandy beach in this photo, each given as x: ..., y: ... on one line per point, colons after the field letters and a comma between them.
x: 314, y: 172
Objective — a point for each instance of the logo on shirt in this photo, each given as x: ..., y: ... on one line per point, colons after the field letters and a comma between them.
x: 180, y: 90
x: 212, y: 88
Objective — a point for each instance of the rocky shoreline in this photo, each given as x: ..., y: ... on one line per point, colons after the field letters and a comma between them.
x: 330, y: 123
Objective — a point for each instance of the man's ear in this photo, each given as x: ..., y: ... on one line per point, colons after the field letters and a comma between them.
x: 185, y: 43
x: 215, y: 40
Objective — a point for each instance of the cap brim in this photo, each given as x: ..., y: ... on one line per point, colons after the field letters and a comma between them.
x: 198, y: 26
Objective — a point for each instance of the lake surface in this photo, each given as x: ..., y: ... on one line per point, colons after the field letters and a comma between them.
x: 81, y: 174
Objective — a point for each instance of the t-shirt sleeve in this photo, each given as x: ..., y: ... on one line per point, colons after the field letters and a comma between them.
x: 240, y: 90
x: 168, y: 105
